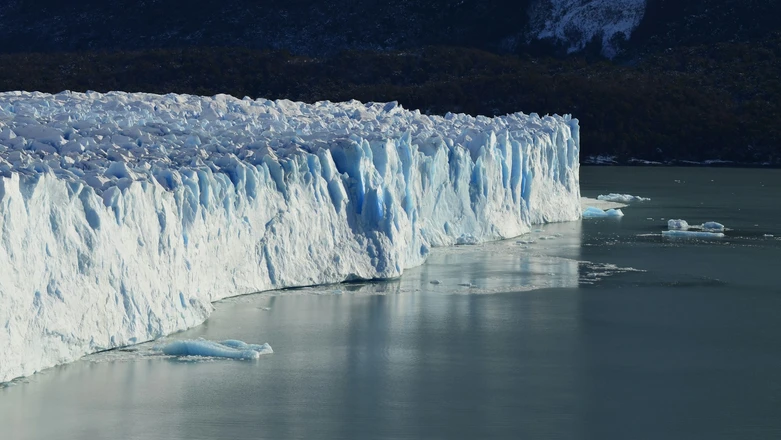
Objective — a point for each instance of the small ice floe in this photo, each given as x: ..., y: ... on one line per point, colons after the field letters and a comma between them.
x: 712, y: 227
x: 691, y: 234
x: 621, y: 198
x: 525, y: 242
x: 547, y: 237
x: 265, y: 308
x: 592, y: 212
x: 466, y: 284
x: 677, y: 225
x: 681, y: 228
x: 230, y: 349
x: 769, y: 235
x: 435, y: 282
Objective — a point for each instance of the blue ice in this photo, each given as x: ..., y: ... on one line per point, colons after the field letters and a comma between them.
x: 592, y: 212
x: 230, y: 349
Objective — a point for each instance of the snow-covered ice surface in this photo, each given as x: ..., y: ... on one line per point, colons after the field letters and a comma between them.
x: 123, y: 216
x: 621, y: 198
x: 576, y: 22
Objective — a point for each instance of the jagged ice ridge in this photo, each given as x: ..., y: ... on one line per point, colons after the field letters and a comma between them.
x: 123, y: 216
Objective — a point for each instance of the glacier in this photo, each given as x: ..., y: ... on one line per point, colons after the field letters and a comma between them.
x: 123, y: 216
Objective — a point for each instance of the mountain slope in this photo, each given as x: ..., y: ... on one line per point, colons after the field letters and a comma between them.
x: 319, y: 28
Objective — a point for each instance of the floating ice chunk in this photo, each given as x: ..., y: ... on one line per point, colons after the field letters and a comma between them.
x: 677, y: 224
x: 691, y: 234
x: 435, y: 282
x: 622, y: 198
x: 712, y: 227
x: 592, y: 212
x: 769, y: 236
x: 241, y: 345
x: 231, y: 349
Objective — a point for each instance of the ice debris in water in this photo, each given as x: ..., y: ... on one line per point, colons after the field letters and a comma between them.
x: 683, y: 225
x: 621, y: 198
x: 681, y: 228
x: 691, y: 234
x: 231, y: 349
x: 124, y: 215
x: 592, y: 212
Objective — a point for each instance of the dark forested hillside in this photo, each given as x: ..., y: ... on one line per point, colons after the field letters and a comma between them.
x: 317, y: 28
x: 697, y: 80
x: 698, y: 103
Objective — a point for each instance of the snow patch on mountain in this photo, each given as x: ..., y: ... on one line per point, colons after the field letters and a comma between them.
x: 576, y: 22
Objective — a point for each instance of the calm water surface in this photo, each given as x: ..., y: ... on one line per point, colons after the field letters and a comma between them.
x: 595, y: 330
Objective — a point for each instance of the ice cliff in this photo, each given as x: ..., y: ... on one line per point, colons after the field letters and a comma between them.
x: 123, y: 216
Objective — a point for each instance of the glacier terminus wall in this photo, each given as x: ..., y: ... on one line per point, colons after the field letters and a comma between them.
x: 123, y: 216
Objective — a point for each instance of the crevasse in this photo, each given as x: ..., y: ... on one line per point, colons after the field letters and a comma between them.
x: 123, y: 216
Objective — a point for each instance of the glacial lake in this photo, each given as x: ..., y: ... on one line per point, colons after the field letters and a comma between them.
x: 599, y: 329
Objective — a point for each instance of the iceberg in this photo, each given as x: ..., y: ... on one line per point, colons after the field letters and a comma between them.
x: 123, y: 216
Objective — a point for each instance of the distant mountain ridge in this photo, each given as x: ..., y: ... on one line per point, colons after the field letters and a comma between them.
x: 316, y: 28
